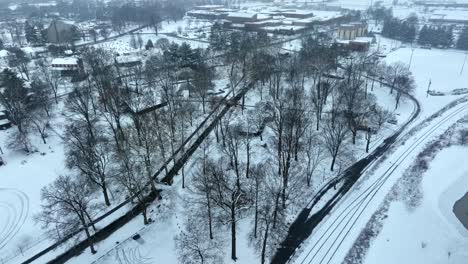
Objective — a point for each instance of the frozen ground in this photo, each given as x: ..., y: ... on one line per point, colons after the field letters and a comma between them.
x: 440, y: 67
x: 431, y: 233
x: 21, y: 181
x: 332, y: 239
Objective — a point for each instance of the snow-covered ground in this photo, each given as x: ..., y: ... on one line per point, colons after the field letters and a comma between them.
x: 331, y: 241
x: 442, y: 68
x: 21, y: 181
x: 431, y: 233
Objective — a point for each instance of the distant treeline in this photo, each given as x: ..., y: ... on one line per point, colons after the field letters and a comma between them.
x: 407, y: 30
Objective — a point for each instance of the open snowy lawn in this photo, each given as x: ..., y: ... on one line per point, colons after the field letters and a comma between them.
x: 431, y: 233
x: 21, y: 180
x: 440, y: 67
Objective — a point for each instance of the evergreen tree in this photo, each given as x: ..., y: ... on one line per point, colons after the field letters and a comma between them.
x: 30, y: 33
x: 423, y: 36
x: 149, y: 44
x: 401, y: 30
x: 462, y: 42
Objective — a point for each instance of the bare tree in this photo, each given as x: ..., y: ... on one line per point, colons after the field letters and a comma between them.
x: 203, y: 189
x: 229, y: 197
x: 20, y: 61
x: 47, y: 75
x: 392, y: 73
x: 313, y: 154
x: 203, y: 82
x: 271, y: 226
x: 90, y: 154
x: 333, y: 138
x: 24, y: 242
x: 67, y: 204
x: 194, y: 248
x: 133, y: 42
x: 380, y: 116
x: 258, y: 180
x: 404, y: 84
x: 140, y: 41
x: 132, y: 179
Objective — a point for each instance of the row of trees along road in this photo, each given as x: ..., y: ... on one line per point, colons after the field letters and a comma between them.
x: 310, y: 117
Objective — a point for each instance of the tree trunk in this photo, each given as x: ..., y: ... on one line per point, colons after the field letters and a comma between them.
x: 256, y: 212
x: 247, y: 172
x: 210, y: 224
x: 333, y: 162
x: 233, y: 233
x: 275, y: 213
x: 145, y: 216
x: 202, y: 259
x: 88, y: 236
x: 105, y: 193
x: 265, y: 239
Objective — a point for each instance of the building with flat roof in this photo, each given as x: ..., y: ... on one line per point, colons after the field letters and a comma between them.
x: 352, y: 30
x: 67, y: 66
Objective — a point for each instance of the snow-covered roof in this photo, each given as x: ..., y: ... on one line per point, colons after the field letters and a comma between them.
x: 29, y: 50
x: 242, y: 15
x: 326, y: 15
x: 128, y: 59
x: 455, y: 15
x: 66, y: 61
x: 362, y: 40
x: 263, y: 16
x: 209, y: 6
x: 4, y: 53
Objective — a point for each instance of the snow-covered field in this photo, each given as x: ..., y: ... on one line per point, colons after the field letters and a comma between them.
x: 431, y: 233
x: 441, y: 68
x: 21, y: 181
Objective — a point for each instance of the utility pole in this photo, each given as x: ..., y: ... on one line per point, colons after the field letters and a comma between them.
x: 463, y: 65
x: 411, y: 57
x: 428, y: 87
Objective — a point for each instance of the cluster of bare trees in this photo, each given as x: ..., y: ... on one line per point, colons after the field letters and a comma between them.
x: 123, y: 123
x: 318, y: 103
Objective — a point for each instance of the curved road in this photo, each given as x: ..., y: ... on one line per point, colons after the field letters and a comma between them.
x: 325, y: 246
x: 305, y: 223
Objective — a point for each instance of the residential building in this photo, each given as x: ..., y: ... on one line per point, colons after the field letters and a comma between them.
x: 60, y: 32
x: 68, y: 66
x: 352, y: 30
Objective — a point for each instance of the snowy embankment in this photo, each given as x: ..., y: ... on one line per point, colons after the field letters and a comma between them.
x: 416, y: 222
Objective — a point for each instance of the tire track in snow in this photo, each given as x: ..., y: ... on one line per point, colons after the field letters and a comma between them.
x: 14, y: 210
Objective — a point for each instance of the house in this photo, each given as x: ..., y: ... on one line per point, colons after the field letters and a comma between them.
x: 127, y: 61
x: 301, y: 14
x: 4, y: 122
x: 61, y: 32
x: 209, y: 7
x: 68, y: 66
x: 352, y: 31
x: 4, y: 57
x: 207, y: 14
x: 240, y: 18
x: 360, y: 44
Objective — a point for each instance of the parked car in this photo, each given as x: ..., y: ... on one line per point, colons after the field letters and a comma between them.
x: 392, y: 121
